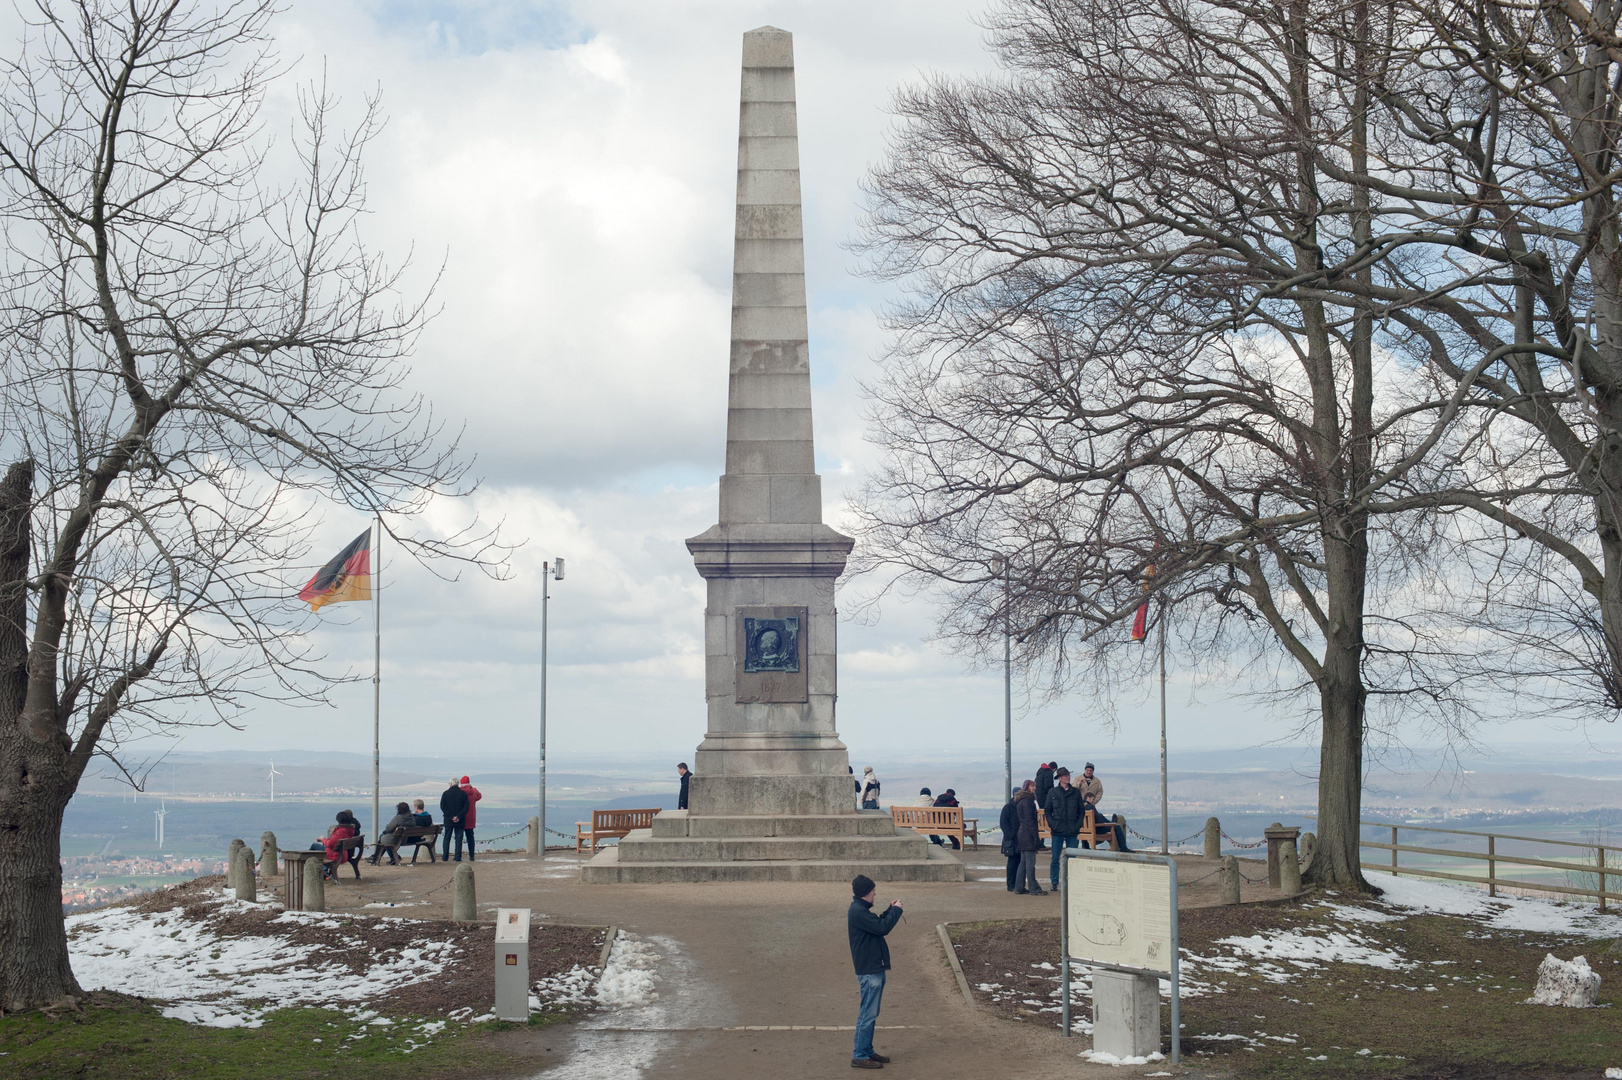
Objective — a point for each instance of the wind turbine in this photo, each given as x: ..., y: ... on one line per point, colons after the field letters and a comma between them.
x: 158, y: 815
x: 273, y: 775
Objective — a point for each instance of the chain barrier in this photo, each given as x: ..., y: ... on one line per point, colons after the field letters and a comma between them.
x: 1181, y: 884
x: 1156, y: 839
x: 1237, y: 844
x: 506, y: 836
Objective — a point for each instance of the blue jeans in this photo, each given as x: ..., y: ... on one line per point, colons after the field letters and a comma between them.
x: 868, y: 1017
x: 1059, y: 844
x: 445, y: 838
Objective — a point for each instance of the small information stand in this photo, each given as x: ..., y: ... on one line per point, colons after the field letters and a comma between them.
x: 1119, y: 913
x: 512, y: 964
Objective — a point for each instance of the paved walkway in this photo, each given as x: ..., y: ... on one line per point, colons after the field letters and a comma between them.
x: 756, y: 979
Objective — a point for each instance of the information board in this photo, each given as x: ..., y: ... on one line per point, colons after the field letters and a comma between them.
x: 1120, y: 913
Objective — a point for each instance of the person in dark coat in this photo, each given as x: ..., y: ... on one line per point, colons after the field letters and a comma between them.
x: 1065, y: 808
x: 453, y: 808
x: 871, y: 956
x: 1044, y: 784
x: 423, y: 816
x: 1008, y: 825
x: 402, y: 820
x: 681, y: 771
x: 1025, y: 810
x: 947, y: 798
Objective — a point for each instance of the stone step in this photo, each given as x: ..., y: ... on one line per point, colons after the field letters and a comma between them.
x: 642, y: 846
x: 674, y: 823
x: 607, y: 869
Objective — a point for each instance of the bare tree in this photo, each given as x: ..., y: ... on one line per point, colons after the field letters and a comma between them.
x: 1142, y: 333
x: 193, y: 362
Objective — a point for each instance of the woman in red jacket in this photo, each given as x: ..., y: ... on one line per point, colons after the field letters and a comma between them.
x: 472, y: 819
x: 346, y: 829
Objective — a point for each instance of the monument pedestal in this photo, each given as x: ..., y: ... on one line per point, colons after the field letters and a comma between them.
x: 760, y: 847
x: 771, y: 797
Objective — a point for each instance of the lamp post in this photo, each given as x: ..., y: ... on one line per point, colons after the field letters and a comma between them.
x: 549, y: 572
x: 1007, y: 684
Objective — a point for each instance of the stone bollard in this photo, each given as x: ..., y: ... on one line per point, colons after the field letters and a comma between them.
x: 232, y: 878
x: 270, y: 856
x: 532, y: 845
x: 247, y: 885
x: 315, y: 886
x: 463, y: 907
x: 1289, y: 869
x: 1228, y: 881
x: 1213, y: 839
x: 1309, y: 844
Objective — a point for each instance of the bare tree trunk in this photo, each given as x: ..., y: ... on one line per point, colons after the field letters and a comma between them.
x: 1342, y: 699
x: 35, y: 786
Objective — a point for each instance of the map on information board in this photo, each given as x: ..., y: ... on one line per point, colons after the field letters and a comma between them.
x: 1120, y: 913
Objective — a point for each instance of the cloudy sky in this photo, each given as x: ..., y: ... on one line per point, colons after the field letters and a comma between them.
x: 572, y: 164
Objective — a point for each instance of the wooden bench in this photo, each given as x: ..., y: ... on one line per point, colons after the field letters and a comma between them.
x: 349, y: 851
x: 422, y: 836
x: 1092, y: 833
x: 610, y: 823
x: 938, y: 821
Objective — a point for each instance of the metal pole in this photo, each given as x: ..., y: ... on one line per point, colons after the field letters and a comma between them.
x: 546, y: 582
x: 1064, y: 938
x: 1164, y: 829
x: 1176, y: 972
x: 1007, y: 685
x: 377, y: 665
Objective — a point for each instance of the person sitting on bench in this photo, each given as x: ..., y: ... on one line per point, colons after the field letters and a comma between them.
x: 1092, y: 790
x: 402, y: 822
x: 423, y: 817
x: 347, y: 828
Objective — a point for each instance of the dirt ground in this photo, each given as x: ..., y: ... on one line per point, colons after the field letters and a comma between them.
x: 756, y: 978
x: 1457, y: 1013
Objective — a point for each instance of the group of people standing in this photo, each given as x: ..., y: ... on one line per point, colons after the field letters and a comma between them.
x: 1066, y: 805
x: 459, y: 807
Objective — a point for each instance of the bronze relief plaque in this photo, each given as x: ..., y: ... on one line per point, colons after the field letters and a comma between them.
x: 770, y: 654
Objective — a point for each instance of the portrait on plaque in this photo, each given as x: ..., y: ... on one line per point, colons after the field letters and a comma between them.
x: 771, y: 644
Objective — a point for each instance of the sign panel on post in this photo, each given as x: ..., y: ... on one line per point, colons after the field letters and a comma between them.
x: 1119, y: 913
x: 512, y: 964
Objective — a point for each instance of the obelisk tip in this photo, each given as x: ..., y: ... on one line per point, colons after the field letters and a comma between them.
x: 767, y: 47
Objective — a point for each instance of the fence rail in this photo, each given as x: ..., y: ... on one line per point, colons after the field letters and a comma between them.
x: 1598, y: 868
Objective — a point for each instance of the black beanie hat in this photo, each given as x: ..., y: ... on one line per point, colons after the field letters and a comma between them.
x: 861, y: 885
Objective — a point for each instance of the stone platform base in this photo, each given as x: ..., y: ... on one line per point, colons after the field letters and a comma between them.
x: 787, y: 847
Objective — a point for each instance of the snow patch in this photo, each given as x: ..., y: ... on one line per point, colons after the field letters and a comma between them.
x: 1569, y: 983
x: 1099, y: 1057
x: 1308, y: 950
x: 629, y: 979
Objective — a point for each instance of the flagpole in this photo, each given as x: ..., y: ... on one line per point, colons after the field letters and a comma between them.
x: 377, y: 664
x: 1163, y: 814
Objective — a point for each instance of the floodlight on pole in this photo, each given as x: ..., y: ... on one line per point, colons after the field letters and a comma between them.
x: 552, y: 571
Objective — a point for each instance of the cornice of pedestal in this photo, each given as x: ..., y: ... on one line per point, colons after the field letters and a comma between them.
x: 764, y: 550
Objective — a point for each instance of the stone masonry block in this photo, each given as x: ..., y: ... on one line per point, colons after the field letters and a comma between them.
x: 768, y: 256
x: 768, y: 47
x: 768, y: 187
x: 763, y: 458
x: 769, y: 223
x: 769, y: 390
x: 768, y: 152
x: 797, y: 498
x: 717, y: 635
x: 776, y: 425
x: 768, y: 84
x: 768, y: 290
x: 769, y: 324
x: 770, y: 357
x: 746, y: 498
x: 767, y: 118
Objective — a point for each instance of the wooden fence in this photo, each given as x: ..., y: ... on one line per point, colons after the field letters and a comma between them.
x: 1599, y: 868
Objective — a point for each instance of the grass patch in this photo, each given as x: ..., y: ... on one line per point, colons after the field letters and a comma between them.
x: 1456, y: 1012
x: 122, y: 1038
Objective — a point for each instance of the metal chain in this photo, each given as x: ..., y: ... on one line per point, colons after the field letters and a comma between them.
x: 1156, y: 839
x: 1237, y: 844
x: 506, y: 836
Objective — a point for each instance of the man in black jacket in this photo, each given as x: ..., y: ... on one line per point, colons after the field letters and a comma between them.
x: 871, y: 955
x: 1064, y: 810
x: 947, y: 798
x: 681, y: 771
x: 1008, y: 825
x: 453, y: 807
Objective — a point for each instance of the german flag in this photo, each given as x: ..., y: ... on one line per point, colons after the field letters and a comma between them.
x: 1140, y: 622
x: 348, y: 576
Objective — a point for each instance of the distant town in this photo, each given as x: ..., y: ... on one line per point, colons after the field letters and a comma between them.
x: 93, y: 880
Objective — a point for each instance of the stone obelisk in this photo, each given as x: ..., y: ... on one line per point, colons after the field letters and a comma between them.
x: 772, y: 796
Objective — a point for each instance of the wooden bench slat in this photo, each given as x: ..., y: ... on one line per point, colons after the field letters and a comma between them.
x: 937, y: 821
